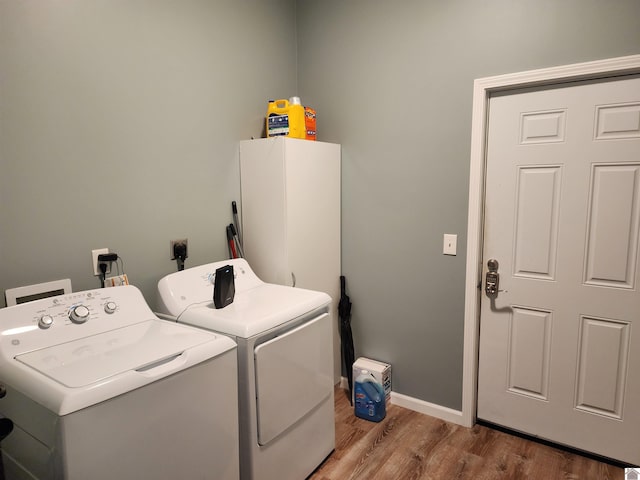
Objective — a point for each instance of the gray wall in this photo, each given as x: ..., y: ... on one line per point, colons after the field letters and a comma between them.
x: 119, y: 123
x: 119, y: 128
x: 392, y: 82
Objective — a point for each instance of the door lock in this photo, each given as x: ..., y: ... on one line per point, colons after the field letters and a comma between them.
x: 492, y: 278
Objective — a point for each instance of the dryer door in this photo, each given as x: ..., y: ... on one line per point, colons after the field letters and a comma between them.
x: 294, y: 374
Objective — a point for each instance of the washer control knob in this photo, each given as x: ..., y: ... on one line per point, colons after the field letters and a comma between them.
x: 110, y: 307
x: 79, y: 314
x: 45, y: 321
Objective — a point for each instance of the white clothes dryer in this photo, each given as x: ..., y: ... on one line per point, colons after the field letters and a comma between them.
x: 285, y: 365
x: 99, y: 388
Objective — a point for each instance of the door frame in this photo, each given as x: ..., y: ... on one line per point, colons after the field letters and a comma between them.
x: 482, y: 90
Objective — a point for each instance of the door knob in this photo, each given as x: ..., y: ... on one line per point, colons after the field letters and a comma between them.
x: 492, y: 278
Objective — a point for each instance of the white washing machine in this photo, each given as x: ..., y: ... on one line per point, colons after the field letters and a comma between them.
x: 99, y: 388
x: 285, y: 365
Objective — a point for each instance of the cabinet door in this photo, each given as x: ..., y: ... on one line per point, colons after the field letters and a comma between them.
x: 264, y: 230
x: 313, y: 214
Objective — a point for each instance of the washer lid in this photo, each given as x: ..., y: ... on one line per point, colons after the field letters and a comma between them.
x: 98, y: 358
x: 256, y: 310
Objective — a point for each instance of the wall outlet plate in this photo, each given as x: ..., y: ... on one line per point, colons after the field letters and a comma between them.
x: 94, y: 255
x: 173, y: 243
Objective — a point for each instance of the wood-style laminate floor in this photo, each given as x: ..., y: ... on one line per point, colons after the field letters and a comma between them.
x: 408, y: 445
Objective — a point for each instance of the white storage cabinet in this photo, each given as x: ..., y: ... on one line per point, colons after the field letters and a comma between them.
x: 291, y: 216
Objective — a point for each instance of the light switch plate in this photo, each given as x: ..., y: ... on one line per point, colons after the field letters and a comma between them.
x: 450, y: 244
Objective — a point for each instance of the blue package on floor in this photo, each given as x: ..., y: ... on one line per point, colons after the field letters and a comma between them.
x: 369, y: 398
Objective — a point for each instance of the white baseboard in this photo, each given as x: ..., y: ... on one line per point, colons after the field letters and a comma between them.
x: 420, y: 406
x: 431, y: 409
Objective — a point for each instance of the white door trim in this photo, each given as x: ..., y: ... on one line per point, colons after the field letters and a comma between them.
x: 482, y: 88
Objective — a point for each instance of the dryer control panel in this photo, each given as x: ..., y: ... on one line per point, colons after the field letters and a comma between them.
x: 179, y: 290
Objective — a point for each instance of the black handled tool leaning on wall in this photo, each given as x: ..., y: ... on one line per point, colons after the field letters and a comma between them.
x: 346, y: 335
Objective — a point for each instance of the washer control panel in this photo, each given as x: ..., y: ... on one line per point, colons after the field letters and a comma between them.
x: 67, y: 317
x: 74, y: 308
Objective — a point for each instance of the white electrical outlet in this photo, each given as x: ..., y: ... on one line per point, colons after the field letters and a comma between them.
x: 450, y: 244
x: 94, y: 255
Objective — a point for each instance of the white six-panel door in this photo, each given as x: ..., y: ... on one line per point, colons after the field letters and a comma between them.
x: 560, y: 343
